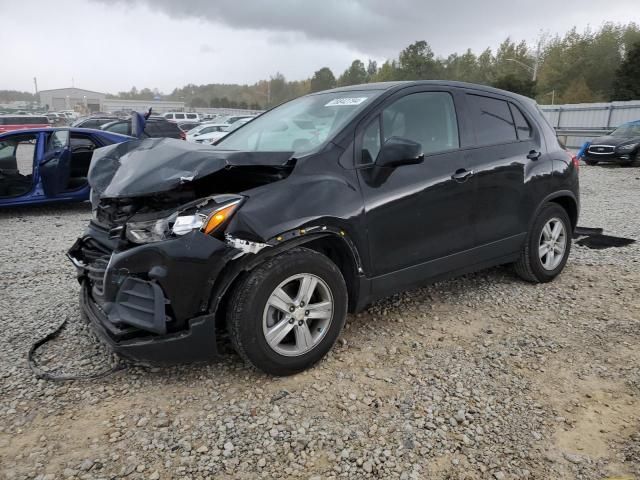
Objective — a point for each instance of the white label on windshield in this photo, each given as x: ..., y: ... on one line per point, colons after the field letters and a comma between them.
x: 346, y: 102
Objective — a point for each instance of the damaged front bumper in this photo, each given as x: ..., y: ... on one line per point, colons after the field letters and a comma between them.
x: 151, y: 302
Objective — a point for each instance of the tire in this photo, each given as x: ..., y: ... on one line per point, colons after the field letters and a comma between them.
x: 591, y: 162
x: 530, y: 266
x: 251, y: 314
x: 634, y: 162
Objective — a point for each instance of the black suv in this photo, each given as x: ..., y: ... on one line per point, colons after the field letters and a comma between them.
x: 155, y: 127
x: 622, y: 146
x: 93, y: 122
x: 315, y: 209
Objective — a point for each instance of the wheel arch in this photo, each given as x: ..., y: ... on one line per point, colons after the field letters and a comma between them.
x: 567, y: 200
x: 335, y: 245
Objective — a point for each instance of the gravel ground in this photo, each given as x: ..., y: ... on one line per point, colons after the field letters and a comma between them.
x: 479, y: 377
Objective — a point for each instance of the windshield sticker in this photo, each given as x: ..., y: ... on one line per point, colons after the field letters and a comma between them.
x: 346, y: 102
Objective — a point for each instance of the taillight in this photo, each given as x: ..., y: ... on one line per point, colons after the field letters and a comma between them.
x: 575, y: 161
x: 183, y: 135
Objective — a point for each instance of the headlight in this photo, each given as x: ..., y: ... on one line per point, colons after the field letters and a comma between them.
x: 627, y: 148
x: 208, y: 220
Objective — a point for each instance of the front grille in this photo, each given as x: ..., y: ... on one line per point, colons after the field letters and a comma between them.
x: 96, y: 258
x: 95, y: 273
x: 601, y: 149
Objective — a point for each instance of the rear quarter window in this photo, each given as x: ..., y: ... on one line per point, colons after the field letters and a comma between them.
x: 523, y: 128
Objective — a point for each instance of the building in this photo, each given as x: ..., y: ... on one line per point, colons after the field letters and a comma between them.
x: 158, y: 106
x: 87, y: 101
x: 71, y: 99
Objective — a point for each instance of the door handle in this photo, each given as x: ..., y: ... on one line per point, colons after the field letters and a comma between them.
x: 533, y: 155
x: 462, y: 175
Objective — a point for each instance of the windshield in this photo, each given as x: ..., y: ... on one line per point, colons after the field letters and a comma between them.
x: 628, y: 130
x: 300, y: 125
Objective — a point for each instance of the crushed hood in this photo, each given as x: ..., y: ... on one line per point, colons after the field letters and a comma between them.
x: 157, y: 165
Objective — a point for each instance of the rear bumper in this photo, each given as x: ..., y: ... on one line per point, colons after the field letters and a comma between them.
x: 152, y: 303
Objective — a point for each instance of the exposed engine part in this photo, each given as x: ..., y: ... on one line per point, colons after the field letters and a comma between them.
x: 245, y: 245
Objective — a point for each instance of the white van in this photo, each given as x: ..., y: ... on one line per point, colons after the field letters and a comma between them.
x: 181, y: 116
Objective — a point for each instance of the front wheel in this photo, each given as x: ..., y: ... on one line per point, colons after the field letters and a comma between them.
x: 547, y: 246
x: 287, y: 313
x: 591, y: 162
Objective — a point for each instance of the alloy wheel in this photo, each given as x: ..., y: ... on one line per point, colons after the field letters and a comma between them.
x: 552, y: 244
x: 297, y: 314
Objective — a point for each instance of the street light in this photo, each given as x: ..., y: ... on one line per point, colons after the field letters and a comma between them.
x: 533, y: 70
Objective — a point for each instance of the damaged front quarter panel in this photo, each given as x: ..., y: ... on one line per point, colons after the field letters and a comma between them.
x: 245, y: 246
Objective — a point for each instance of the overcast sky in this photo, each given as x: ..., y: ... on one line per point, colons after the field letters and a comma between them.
x: 110, y: 45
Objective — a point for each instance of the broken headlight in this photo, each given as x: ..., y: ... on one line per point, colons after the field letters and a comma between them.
x: 204, y: 217
x: 627, y: 148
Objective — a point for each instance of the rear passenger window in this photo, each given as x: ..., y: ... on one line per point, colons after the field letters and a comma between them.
x: 428, y: 118
x: 492, y: 120
x: 179, y: 116
x: 522, y: 125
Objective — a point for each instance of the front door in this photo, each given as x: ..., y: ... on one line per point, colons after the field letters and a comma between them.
x: 416, y: 215
x: 55, y: 167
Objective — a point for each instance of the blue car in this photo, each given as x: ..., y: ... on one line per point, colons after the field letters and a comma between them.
x: 44, y: 165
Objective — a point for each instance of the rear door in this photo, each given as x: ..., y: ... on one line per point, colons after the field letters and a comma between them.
x: 506, y: 146
x: 419, y: 214
x: 18, y: 157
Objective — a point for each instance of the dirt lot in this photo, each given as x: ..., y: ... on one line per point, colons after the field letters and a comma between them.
x: 479, y: 377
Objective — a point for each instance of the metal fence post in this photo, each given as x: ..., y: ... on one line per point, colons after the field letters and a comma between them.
x: 559, y: 115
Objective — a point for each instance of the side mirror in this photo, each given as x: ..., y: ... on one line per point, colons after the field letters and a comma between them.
x: 400, y: 151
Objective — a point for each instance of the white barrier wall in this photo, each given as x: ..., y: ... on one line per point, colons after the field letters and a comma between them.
x: 592, y: 115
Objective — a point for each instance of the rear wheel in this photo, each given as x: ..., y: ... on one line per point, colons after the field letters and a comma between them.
x: 547, y: 246
x: 287, y: 313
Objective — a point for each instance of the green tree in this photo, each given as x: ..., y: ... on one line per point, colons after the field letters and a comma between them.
x: 388, y: 72
x: 577, y: 92
x: 354, y: 75
x: 279, y: 90
x: 198, y: 102
x: 323, y: 79
x: 372, y: 69
x: 626, y: 85
x: 486, y: 67
x: 417, y: 62
x: 515, y: 84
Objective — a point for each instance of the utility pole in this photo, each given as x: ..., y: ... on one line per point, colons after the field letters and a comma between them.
x: 537, y: 60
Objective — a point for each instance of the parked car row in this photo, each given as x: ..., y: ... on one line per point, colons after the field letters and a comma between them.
x: 210, y: 133
x: 19, y: 122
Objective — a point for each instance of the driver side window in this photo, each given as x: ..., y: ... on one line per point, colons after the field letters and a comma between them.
x: 428, y: 118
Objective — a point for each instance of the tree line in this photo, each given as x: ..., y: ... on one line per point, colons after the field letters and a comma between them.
x: 594, y: 65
